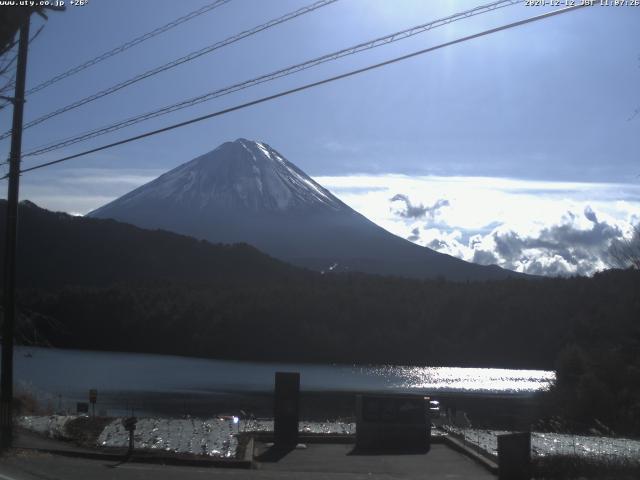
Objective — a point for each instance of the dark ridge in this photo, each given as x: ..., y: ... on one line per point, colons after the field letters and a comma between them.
x: 56, y: 249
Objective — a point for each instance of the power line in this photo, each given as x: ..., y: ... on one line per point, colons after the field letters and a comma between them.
x: 127, y: 45
x: 179, y: 61
x: 6, y: 63
x: 394, y: 37
x: 35, y: 35
x: 10, y: 83
x: 308, y: 86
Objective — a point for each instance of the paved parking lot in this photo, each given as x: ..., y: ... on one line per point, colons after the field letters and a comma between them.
x: 441, y: 462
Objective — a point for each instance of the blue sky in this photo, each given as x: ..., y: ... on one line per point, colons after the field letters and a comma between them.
x: 545, y: 106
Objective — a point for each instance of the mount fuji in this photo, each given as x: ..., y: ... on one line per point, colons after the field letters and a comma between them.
x: 245, y: 191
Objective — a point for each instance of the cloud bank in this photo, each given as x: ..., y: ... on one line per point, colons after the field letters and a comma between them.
x: 540, y: 228
x: 565, y: 248
x: 537, y: 227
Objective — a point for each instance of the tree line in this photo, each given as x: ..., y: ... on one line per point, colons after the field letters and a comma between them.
x: 96, y: 284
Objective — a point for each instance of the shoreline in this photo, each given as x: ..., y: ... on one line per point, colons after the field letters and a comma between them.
x: 172, y: 386
x: 485, y: 410
x: 275, y: 361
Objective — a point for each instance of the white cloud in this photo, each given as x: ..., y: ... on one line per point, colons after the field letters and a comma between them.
x: 552, y: 228
x: 530, y: 226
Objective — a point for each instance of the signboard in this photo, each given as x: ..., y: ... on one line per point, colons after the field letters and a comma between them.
x: 129, y: 423
x: 398, y: 423
x: 82, y: 407
x: 286, y: 408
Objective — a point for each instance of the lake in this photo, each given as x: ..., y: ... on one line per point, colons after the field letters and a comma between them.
x: 171, y: 384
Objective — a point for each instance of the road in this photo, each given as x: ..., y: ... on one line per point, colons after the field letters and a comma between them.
x: 315, y: 463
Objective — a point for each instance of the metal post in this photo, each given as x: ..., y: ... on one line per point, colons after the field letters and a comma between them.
x: 131, y: 442
x: 6, y: 373
x: 130, y: 426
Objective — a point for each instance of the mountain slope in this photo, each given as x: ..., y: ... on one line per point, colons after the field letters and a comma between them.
x: 56, y: 249
x: 245, y: 191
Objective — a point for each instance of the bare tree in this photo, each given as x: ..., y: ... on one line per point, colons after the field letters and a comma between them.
x: 626, y: 251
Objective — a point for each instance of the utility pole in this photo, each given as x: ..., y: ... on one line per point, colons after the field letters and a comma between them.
x: 9, y: 293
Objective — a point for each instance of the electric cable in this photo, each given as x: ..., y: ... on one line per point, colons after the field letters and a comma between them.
x: 310, y: 85
x: 132, y: 43
x: 394, y: 37
x: 174, y: 63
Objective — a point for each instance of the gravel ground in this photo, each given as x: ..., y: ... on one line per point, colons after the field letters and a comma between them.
x: 215, y: 437
x: 546, y: 444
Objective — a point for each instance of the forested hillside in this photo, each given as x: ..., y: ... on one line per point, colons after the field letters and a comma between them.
x: 96, y: 284
x: 351, y: 318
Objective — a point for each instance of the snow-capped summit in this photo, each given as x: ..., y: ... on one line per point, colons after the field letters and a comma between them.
x: 237, y: 175
x: 246, y: 191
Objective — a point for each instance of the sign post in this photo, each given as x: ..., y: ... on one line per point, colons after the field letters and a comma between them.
x: 130, y: 425
x: 93, y: 398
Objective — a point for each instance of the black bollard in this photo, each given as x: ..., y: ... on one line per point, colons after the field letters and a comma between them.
x: 514, y: 456
x: 286, y: 408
